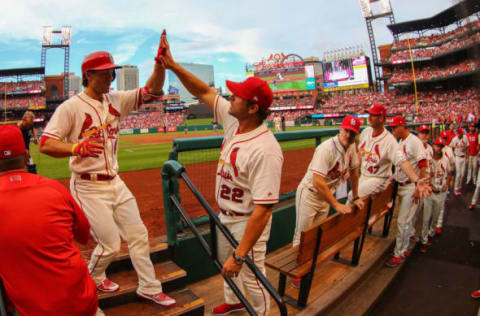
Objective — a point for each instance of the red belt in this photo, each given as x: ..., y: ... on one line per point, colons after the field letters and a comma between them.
x: 460, y: 156
x: 232, y: 213
x: 405, y: 183
x: 436, y: 192
x: 99, y: 177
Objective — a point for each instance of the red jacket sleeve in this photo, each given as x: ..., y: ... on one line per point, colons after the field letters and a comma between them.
x: 81, y: 226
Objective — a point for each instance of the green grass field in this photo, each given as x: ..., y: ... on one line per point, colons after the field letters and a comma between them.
x: 133, y: 157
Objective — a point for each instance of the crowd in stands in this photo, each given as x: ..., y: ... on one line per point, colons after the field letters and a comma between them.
x: 308, y: 101
x: 442, y: 106
x: 289, y: 115
x: 433, y: 71
x: 22, y: 86
x: 23, y: 102
x: 429, y: 46
x: 153, y: 119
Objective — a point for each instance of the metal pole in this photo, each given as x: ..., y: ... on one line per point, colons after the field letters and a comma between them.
x: 413, y: 73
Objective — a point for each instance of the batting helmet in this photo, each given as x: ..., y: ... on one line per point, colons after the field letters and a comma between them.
x: 98, y: 61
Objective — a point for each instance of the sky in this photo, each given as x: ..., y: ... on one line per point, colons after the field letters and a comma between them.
x: 226, y: 34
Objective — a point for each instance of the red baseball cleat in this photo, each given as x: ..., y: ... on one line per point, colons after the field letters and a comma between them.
x: 439, y: 231
x: 107, y: 286
x: 225, y: 308
x: 476, y: 294
x: 159, y: 298
x: 394, y: 261
x: 471, y: 207
x: 458, y: 192
x: 406, y: 253
x: 423, y: 248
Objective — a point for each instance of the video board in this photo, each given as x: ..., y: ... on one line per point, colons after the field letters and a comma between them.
x: 350, y: 73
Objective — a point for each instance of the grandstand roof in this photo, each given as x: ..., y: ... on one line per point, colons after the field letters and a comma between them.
x: 22, y: 72
x: 455, y: 13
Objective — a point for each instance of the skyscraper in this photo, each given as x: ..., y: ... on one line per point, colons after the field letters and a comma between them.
x: 127, y: 77
x: 75, y: 85
x: 204, y: 72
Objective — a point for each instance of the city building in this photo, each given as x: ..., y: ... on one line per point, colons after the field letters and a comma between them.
x: 204, y: 72
x: 127, y: 77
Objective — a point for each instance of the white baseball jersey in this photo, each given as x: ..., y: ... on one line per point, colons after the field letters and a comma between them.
x: 331, y: 161
x: 460, y: 146
x: 277, y: 120
x: 428, y: 151
x: 438, y: 171
x: 82, y: 117
x: 448, y: 152
x: 378, y: 153
x: 413, y: 149
x: 250, y: 165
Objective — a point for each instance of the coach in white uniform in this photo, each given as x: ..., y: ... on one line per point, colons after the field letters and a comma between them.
x: 86, y: 128
x: 460, y: 146
x: 412, y: 148
x: 332, y: 160
x: 448, y: 153
x: 439, y: 173
x: 472, y: 137
x: 247, y: 180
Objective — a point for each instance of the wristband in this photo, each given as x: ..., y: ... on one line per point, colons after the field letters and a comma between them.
x: 238, y: 260
x: 74, y: 146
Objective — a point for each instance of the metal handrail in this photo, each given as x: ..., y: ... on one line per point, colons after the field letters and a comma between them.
x: 173, y: 169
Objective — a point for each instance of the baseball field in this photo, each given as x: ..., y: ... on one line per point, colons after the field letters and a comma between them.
x: 142, y: 156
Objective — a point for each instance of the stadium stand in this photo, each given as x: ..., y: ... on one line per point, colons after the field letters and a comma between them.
x: 153, y: 119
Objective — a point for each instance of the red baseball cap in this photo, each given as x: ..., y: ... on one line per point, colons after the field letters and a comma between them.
x: 460, y: 130
x: 439, y: 141
x: 377, y: 109
x: 98, y: 61
x: 398, y: 120
x: 11, y: 142
x: 351, y: 123
x: 424, y: 128
x: 443, y: 134
x: 252, y: 89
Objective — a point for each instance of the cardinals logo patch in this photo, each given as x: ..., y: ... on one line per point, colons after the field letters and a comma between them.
x: 113, y: 111
x: 86, y: 124
x: 233, y: 160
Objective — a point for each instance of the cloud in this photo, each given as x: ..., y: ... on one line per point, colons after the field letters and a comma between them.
x: 127, y: 47
x: 21, y: 63
x: 223, y: 60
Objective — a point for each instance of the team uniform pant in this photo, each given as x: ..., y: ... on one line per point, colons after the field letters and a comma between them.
x: 460, y: 172
x: 309, y: 208
x: 405, y: 217
x: 415, y: 218
x: 477, y: 190
x: 260, y: 298
x: 113, y: 213
x: 278, y: 128
x: 472, y: 169
x: 431, y: 211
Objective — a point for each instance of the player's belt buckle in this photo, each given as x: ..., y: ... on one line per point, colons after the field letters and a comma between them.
x: 435, y: 191
x: 231, y: 213
x: 405, y: 183
x: 96, y: 177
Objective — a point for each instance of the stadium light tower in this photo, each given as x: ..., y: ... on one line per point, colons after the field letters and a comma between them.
x: 372, y: 10
x: 58, y: 39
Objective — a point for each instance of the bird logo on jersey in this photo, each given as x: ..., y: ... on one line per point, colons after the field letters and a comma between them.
x: 233, y: 160
x: 86, y: 124
x: 334, y: 173
x: 113, y: 111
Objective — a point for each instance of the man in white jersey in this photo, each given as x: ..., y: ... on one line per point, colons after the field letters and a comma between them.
x: 477, y: 187
x: 459, y: 145
x: 472, y: 137
x: 332, y: 160
x: 86, y: 128
x: 439, y: 173
x: 412, y: 148
x: 247, y: 180
x: 378, y: 151
x: 448, y: 152
x: 277, y: 121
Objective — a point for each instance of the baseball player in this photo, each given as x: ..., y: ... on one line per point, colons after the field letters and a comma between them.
x: 448, y: 152
x: 332, y: 160
x: 247, y: 179
x: 90, y: 123
x: 378, y: 151
x: 26, y: 126
x: 472, y: 137
x: 460, y: 145
x: 412, y: 148
x: 278, y: 123
x: 477, y: 188
x: 439, y: 173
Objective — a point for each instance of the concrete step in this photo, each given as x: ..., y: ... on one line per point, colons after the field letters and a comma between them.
x: 187, y: 304
x: 167, y: 272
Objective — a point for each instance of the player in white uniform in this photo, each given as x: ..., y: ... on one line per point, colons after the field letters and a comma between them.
x: 439, y: 172
x: 247, y: 180
x: 412, y: 148
x: 277, y: 121
x: 448, y: 152
x: 86, y: 128
x: 332, y: 160
x: 459, y: 145
x: 477, y: 187
x: 472, y: 137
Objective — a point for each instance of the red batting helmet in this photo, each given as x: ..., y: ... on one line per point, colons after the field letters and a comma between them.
x: 98, y: 61
x: 439, y: 141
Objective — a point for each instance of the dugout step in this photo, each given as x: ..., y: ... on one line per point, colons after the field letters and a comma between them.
x: 167, y: 272
x: 187, y: 304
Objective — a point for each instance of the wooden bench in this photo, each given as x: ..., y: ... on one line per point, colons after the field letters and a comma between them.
x: 382, y: 206
x: 324, y: 240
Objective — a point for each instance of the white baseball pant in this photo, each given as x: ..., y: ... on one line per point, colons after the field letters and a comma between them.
x: 309, y: 208
x: 460, y: 172
x: 112, y: 212
x: 260, y: 298
x: 442, y: 212
x: 431, y: 211
x: 477, y: 190
x: 415, y: 218
x: 472, y: 169
x: 406, y: 213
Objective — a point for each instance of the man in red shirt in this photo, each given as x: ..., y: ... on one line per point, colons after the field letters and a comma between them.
x: 451, y: 134
x: 472, y: 136
x: 41, y: 268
